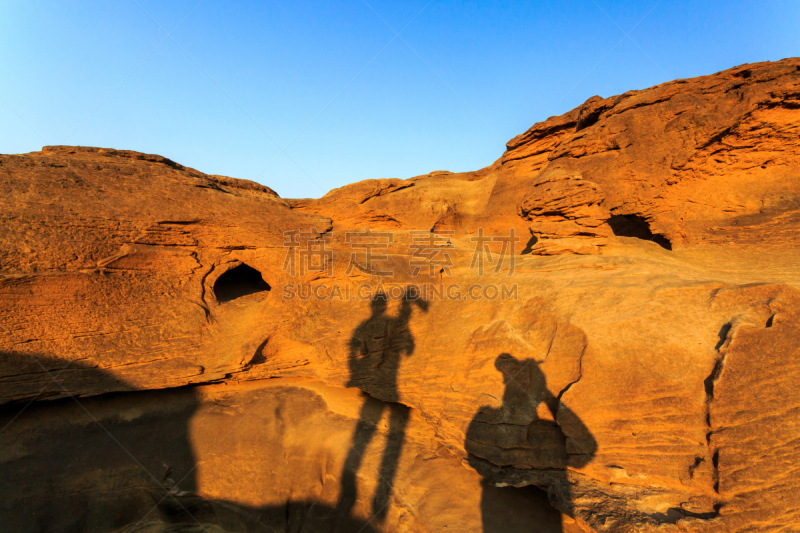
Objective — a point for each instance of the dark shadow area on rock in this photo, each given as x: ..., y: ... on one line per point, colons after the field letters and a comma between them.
x: 517, y: 510
x: 376, y: 348
x: 529, y: 245
x: 295, y: 516
x: 512, y: 446
x: 86, y: 459
x: 118, y: 461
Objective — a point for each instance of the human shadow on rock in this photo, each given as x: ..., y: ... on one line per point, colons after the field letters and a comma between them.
x: 532, y: 439
x: 376, y: 349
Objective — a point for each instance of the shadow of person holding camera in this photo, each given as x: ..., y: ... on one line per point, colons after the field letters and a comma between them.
x: 376, y: 348
x: 531, y: 439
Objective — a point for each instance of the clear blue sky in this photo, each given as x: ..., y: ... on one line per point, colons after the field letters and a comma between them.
x: 334, y: 86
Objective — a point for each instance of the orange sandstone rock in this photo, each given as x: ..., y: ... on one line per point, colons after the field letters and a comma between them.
x: 636, y: 362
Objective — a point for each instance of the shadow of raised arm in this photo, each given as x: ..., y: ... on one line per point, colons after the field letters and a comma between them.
x: 581, y: 446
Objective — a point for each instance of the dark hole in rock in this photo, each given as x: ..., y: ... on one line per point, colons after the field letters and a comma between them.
x: 723, y: 334
x: 636, y: 226
x: 239, y: 281
x: 258, y: 357
x: 587, y: 120
x: 529, y: 246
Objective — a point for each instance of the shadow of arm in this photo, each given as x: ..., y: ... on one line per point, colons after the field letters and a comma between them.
x: 581, y: 444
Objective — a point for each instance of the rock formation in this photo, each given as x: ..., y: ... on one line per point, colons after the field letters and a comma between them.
x: 604, y: 319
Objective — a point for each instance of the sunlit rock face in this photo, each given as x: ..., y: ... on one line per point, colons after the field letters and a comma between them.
x: 598, y: 332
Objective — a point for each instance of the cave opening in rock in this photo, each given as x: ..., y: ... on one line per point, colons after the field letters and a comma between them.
x: 587, y: 120
x: 239, y: 281
x: 636, y: 226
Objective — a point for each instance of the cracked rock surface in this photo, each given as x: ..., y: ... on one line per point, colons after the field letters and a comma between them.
x: 165, y: 366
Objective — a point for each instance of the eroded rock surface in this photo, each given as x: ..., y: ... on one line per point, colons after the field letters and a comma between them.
x: 182, y: 351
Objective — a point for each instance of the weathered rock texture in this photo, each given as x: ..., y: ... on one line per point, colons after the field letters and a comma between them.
x: 642, y: 369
